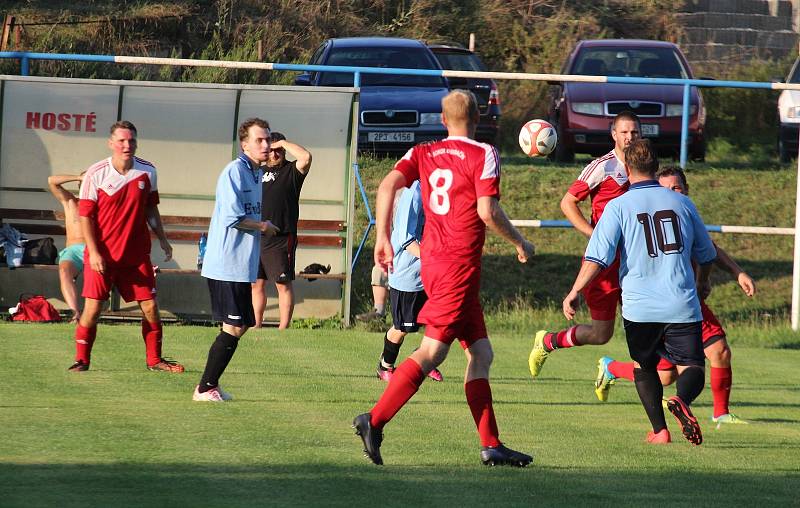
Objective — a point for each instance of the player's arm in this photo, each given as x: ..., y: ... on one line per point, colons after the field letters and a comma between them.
x: 492, y: 214
x: 299, y: 153
x: 154, y: 221
x: 571, y: 209
x: 727, y: 263
x: 96, y: 261
x: 704, y: 251
x: 384, y: 253
x: 589, y: 270
x: 266, y: 227
x: 55, y: 184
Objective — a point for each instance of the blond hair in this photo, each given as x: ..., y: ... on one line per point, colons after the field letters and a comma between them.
x: 460, y: 107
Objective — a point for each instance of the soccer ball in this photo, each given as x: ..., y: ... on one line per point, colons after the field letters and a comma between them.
x: 537, y: 138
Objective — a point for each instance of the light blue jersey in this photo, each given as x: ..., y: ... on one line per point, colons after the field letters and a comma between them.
x: 409, y: 220
x: 232, y: 254
x: 658, y: 233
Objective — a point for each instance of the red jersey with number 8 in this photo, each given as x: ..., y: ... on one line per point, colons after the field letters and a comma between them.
x: 453, y: 174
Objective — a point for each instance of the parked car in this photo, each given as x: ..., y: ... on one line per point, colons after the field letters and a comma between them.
x: 455, y: 57
x: 396, y: 111
x: 582, y: 112
x: 789, y: 114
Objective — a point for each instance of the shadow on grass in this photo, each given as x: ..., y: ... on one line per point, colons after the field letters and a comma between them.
x: 178, y: 484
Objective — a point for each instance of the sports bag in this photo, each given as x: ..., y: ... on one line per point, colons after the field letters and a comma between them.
x: 35, y: 308
x: 41, y: 251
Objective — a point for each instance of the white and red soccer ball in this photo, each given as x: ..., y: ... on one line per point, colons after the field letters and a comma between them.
x: 537, y: 138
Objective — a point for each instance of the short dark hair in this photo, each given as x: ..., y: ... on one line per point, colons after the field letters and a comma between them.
x: 673, y: 171
x: 244, y: 129
x: 123, y: 124
x: 641, y: 158
x: 276, y: 136
x: 625, y: 115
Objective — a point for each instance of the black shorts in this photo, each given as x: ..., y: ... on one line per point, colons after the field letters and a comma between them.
x: 232, y: 302
x: 277, y: 258
x: 679, y: 343
x: 405, y: 309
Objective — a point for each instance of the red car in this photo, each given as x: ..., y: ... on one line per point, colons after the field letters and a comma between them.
x: 582, y: 112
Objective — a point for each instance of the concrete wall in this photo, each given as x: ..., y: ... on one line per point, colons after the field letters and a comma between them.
x: 737, y: 30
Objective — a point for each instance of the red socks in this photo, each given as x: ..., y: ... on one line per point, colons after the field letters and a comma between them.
x: 621, y: 369
x: 563, y: 339
x: 406, y: 380
x: 151, y: 333
x: 721, y: 380
x: 479, y: 398
x: 84, y: 339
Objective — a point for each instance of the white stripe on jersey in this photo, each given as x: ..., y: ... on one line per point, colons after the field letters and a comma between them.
x: 593, y: 165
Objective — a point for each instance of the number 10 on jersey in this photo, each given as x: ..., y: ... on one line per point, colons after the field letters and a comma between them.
x: 667, y: 227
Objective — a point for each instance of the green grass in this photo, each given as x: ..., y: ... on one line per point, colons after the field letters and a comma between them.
x: 119, y: 435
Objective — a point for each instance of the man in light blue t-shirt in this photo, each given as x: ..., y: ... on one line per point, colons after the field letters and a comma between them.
x: 405, y: 281
x: 231, y: 259
x: 657, y: 232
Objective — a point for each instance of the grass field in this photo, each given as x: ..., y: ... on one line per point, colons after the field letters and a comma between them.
x: 120, y: 435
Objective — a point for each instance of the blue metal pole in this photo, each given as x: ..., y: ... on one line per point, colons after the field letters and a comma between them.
x: 25, y: 66
x: 685, y: 126
x: 356, y: 79
x: 371, y: 223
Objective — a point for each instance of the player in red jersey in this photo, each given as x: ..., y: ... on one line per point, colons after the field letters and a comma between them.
x: 460, y: 181
x: 715, y: 344
x: 118, y: 200
x: 602, y: 180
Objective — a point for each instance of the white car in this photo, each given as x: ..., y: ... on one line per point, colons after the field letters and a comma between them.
x: 789, y: 113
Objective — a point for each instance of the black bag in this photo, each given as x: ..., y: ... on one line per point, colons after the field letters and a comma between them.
x: 41, y: 251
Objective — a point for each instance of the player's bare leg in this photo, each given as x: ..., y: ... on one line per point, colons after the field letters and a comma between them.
x: 596, y: 334
x: 67, y: 273
x: 285, y: 304
x: 85, y: 333
x: 259, y: 297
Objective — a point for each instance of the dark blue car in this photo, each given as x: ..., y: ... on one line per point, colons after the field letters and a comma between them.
x: 395, y: 111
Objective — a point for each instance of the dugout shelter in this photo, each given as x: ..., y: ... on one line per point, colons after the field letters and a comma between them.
x: 189, y: 132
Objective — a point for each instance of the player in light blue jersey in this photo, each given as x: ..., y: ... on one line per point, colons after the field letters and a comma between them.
x: 405, y: 281
x: 657, y: 232
x: 231, y: 260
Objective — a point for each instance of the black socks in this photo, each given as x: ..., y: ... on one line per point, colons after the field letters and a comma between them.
x: 648, y: 385
x: 219, y: 355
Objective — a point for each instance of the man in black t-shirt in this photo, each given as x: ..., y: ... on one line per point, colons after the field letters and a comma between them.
x: 280, y: 205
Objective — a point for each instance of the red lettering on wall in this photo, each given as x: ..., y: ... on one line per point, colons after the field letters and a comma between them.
x: 61, y: 121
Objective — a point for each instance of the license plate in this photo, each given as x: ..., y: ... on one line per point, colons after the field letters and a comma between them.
x: 649, y: 129
x: 390, y: 137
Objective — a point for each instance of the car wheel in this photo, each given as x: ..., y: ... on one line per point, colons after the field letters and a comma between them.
x: 783, y: 153
x: 562, y: 153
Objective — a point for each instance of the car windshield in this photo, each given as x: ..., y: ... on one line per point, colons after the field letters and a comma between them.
x: 795, y: 77
x: 459, y: 61
x: 403, y: 58
x: 642, y: 62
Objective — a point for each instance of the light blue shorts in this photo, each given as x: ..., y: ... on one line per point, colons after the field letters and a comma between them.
x: 73, y: 254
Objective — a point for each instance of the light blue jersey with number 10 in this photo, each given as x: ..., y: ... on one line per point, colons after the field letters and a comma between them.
x: 658, y: 232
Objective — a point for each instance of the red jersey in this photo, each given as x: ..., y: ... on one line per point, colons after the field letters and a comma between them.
x: 118, y: 204
x: 453, y: 174
x: 604, y: 179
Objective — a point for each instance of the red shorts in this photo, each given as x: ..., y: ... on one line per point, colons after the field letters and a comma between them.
x: 712, y: 332
x: 453, y: 310
x: 133, y: 282
x: 603, y: 294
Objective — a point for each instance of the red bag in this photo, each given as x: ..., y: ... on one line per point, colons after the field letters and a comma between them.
x: 35, y: 308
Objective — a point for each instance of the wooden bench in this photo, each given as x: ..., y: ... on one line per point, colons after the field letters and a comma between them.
x: 177, y: 228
